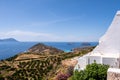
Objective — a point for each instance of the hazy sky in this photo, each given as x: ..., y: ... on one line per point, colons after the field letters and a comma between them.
x: 56, y: 20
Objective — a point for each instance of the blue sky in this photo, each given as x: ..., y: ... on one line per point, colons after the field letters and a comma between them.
x: 56, y: 20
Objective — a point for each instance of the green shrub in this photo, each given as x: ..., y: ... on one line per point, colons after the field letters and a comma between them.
x: 93, y: 71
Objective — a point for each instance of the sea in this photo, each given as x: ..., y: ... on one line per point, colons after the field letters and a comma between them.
x: 9, y: 49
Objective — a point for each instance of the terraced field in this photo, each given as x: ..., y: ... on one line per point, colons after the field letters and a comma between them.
x: 41, y: 68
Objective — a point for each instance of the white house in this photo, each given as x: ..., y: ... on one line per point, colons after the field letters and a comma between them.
x: 108, y: 49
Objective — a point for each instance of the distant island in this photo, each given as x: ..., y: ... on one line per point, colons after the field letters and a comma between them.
x: 85, y: 44
x: 8, y: 40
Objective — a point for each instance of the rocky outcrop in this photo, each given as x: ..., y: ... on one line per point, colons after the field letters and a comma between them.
x: 41, y: 48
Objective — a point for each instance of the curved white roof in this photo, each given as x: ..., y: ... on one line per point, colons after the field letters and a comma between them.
x: 110, y: 42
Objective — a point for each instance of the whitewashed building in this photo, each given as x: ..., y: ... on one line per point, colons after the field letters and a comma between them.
x: 108, y: 49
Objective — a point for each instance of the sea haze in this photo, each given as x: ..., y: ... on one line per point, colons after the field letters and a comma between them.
x: 8, y: 49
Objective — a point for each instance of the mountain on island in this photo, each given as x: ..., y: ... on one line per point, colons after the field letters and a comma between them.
x: 8, y: 40
x: 41, y: 48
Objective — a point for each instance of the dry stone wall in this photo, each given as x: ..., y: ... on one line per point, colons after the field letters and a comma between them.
x: 113, y: 74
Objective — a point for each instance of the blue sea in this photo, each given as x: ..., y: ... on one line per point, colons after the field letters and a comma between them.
x: 8, y: 49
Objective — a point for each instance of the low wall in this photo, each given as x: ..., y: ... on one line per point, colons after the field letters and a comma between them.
x: 113, y: 74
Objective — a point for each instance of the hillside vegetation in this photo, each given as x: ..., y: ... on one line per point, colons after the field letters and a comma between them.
x: 37, y: 65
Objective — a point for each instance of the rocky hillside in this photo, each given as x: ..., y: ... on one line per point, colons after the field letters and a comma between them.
x: 83, y: 49
x: 44, y: 49
x: 37, y: 64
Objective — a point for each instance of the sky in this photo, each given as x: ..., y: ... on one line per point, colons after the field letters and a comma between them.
x: 56, y: 20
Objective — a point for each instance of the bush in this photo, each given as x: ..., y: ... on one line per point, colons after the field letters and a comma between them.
x: 92, y: 72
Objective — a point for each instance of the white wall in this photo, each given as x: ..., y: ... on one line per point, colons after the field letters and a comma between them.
x: 91, y: 59
x: 111, y: 61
